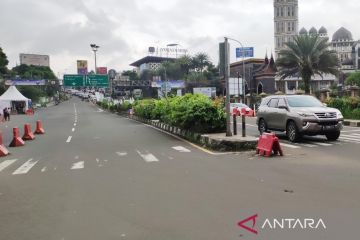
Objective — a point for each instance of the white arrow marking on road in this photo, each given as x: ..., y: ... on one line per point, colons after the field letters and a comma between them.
x: 121, y: 154
x: 181, y: 149
x: 25, y: 168
x: 6, y: 163
x: 69, y: 139
x: 78, y: 165
x: 148, y: 157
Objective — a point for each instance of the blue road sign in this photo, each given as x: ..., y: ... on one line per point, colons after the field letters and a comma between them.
x: 244, y: 52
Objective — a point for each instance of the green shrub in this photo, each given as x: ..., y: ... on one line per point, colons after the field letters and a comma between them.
x: 144, y: 108
x: 349, y: 106
x: 191, y: 112
x: 124, y: 107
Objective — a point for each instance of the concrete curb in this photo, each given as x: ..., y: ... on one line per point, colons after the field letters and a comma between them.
x: 352, y: 123
x: 203, y: 140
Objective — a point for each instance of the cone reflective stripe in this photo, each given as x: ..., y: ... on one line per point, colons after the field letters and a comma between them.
x: 17, y: 141
x: 28, y: 135
x: 39, y: 128
x: 3, y: 150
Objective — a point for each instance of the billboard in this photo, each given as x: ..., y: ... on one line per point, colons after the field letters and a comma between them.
x: 101, y: 70
x: 35, y: 59
x: 82, y: 67
x: 236, y: 86
x: 244, y: 52
x: 24, y: 82
x: 207, y: 91
x: 172, y: 84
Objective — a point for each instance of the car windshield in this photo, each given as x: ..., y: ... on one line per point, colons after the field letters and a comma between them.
x: 303, y: 101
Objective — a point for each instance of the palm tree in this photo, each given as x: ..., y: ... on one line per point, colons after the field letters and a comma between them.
x: 306, y: 56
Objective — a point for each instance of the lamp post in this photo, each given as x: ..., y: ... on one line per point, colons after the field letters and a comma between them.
x: 94, y: 48
x: 243, y: 63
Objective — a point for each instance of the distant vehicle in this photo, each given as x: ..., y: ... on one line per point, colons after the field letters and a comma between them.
x: 299, y: 115
x: 241, y: 108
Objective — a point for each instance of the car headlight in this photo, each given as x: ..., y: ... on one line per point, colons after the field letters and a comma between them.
x: 339, y: 115
x: 305, y: 114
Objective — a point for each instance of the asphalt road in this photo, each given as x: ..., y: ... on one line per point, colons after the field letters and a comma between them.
x: 96, y: 175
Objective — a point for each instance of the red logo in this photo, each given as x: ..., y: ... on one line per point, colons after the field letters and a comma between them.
x: 253, y: 218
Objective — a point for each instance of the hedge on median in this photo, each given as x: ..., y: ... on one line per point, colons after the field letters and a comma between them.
x: 349, y: 106
x: 195, y: 112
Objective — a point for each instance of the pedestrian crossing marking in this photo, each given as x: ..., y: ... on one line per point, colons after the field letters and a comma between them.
x: 6, y: 163
x: 121, y: 154
x: 181, y: 149
x: 43, y: 169
x: 289, y: 145
x: 322, y: 144
x: 25, y: 168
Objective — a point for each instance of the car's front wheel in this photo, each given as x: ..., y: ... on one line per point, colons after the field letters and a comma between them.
x: 262, y: 126
x: 333, y: 136
x: 292, y: 132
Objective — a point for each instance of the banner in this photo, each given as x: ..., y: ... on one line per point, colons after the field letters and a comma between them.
x: 101, y: 70
x: 24, y: 82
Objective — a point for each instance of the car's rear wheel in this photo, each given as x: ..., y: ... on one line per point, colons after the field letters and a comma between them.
x: 292, y: 132
x: 333, y: 136
x: 262, y: 126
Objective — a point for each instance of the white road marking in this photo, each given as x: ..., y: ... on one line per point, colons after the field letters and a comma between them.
x: 354, y: 134
x: 69, y: 139
x: 251, y: 125
x: 307, y: 145
x: 55, y: 168
x: 76, y: 157
x: 73, y: 130
x: 25, y: 168
x: 121, y: 154
x: 349, y: 138
x: 148, y: 157
x: 74, y: 124
x: 181, y: 149
x: 78, y: 165
x: 97, y: 160
x: 289, y: 145
x: 43, y: 169
x: 322, y: 144
x: 349, y: 141
x: 6, y: 163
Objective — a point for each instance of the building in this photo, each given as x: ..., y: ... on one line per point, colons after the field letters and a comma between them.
x: 286, y: 21
x: 321, y: 33
x: 259, y: 75
x: 356, y: 55
x: 342, y: 42
x: 35, y: 59
x: 149, y: 63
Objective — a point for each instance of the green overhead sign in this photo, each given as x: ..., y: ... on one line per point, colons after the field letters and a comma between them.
x: 73, y: 80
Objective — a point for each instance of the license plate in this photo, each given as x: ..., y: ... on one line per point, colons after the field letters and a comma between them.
x: 330, y: 127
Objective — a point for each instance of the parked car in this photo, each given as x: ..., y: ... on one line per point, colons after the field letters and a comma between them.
x: 241, y: 108
x: 299, y: 115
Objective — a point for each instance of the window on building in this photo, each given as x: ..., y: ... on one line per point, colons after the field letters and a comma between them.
x: 289, y: 12
x: 292, y: 11
x: 289, y: 26
x: 291, y: 85
x: 281, y: 12
x: 293, y: 26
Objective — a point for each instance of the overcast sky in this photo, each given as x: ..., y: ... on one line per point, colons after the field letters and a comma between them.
x: 124, y: 29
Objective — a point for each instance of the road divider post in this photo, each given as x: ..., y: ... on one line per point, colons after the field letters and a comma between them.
x: 3, y: 150
x: 28, y: 135
x: 17, y: 141
x: 39, y: 128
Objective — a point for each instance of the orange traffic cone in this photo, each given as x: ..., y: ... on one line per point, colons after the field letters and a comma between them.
x: 39, y: 128
x: 17, y: 141
x: 28, y: 135
x: 3, y: 150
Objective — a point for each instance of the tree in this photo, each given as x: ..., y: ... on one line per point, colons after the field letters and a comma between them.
x: 132, y: 74
x: 353, y: 79
x: 3, y: 62
x: 307, y: 55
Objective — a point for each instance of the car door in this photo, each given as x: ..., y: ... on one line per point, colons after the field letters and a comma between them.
x: 280, y: 115
x: 271, y: 113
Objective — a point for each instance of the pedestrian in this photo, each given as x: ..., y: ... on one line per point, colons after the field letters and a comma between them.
x: 5, y: 113
x: 8, y: 113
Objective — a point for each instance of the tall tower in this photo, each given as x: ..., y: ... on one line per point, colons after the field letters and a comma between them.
x: 286, y: 22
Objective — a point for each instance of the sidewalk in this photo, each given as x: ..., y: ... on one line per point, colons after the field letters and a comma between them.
x: 352, y: 123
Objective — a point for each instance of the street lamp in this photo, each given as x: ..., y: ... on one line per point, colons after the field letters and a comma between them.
x: 243, y: 57
x: 94, y: 47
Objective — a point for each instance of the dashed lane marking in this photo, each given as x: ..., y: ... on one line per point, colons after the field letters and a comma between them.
x: 148, y: 157
x: 121, y: 154
x: 181, y: 149
x: 73, y: 130
x: 77, y: 165
x: 69, y: 139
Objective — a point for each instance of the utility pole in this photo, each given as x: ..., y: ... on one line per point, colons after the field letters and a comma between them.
x: 95, y: 48
x: 226, y: 75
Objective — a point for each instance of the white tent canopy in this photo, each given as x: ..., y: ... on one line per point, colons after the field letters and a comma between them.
x: 12, y: 95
